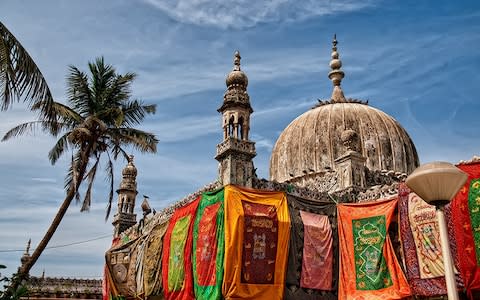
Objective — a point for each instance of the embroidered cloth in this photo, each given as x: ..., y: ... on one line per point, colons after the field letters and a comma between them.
x: 368, y: 268
x: 256, y: 243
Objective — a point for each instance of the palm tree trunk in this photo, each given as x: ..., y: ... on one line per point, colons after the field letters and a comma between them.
x: 24, y: 269
x: 49, y: 234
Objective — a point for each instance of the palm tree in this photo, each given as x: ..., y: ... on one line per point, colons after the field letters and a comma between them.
x: 20, y: 78
x: 97, y: 120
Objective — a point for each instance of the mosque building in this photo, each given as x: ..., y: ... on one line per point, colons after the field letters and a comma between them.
x: 340, y: 151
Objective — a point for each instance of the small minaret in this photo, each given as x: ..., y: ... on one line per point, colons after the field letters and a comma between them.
x: 236, y: 151
x: 26, y: 255
x: 125, y: 216
x: 350, y: 166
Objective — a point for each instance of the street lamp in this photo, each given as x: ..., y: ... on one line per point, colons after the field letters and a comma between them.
x: 437, y: 183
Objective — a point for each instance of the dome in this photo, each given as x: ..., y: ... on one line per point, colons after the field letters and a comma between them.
x: 327, y: 133
x: 130, y: 169
x: 237, y: 76
x: 314, y: 140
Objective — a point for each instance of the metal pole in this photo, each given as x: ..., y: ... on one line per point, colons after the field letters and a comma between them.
x: 447, y: 257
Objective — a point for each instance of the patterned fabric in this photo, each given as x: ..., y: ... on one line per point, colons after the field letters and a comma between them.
x: 465, y: 211
x: 256, y: 243
x: 422, y: 250
x: 317, y: 252
x: 120, y: 262
x: 208, y: 246
x: 176, y: 260
x: 260, y: 239
x: 369, y: 268
x: 300, y: 244
x: 152, y: 263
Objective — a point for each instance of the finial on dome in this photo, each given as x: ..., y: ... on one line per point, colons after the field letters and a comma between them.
x: 236, y: 77
x: 336, y: 74
x: 130, y: 158
x: 236, y: 61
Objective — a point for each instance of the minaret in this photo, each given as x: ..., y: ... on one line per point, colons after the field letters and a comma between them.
x: 26, y: 255
x: 125, y: 217
x: 350, y: 166
x: 236, y: 151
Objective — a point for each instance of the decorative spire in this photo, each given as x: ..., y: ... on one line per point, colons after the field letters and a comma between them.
x: 236, y: 61
x: 236, y: 77
x: 336, y: 74
x: 26, y: 256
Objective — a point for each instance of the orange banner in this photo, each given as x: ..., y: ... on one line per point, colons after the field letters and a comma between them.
x: 257, y: 232
x: 368, y: 266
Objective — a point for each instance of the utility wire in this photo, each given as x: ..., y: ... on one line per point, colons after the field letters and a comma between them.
x: 61, y: 246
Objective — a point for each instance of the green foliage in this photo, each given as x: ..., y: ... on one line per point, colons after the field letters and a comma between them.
x: 8, y: 293
x: 98, y: 119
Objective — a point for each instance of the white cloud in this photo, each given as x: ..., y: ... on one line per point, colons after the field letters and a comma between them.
x: 247, y: 13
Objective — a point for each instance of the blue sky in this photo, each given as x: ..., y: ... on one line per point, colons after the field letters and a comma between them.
x: 416, y: 60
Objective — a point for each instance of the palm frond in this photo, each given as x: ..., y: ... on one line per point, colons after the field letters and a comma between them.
x: 90, y: 176
x: 71, y: 179
x: 109, y: 177
x: 29, y: 128
x: 138, y: 139
x: 20, y: 78
x: 116, y: 149
x: 59, y: 148
x: 134, y: 112
x: 78, y: 91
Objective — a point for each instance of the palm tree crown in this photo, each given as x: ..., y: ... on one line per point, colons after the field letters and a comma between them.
x: 97, y: 120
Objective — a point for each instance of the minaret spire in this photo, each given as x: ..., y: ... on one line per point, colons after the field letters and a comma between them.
x: 336, y: 74
x: 236, y: 61
x: 236, y: 151
x: 127, y: 193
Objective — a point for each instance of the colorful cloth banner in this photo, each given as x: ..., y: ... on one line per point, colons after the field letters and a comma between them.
x: 312, y: 271
x: 209, y: 246
x: 177, y: 254
x: 465, y: 211
x: 120, y: 261
x: 256, y: 243
x: 422, y: 249
x: 152, y: 262
x: 368, y: 268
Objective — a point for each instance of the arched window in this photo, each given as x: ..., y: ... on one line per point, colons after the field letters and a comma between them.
x: 231, y: 121
x: 240, y: 128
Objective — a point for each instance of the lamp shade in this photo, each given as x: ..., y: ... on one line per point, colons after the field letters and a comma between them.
x: 436, y: 181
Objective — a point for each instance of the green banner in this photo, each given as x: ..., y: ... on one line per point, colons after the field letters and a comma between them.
x: 209, y: 246
x: 474, y: 209
x: 176, y: 273
x: 370, y: 264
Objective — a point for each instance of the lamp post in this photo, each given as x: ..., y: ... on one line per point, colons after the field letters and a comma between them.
x: 437, y: 183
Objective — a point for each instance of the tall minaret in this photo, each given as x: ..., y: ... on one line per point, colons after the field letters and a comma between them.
x: 125, y: 217
x: 236, y: 151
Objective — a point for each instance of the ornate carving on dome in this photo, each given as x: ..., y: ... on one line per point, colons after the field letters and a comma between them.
x: 378, y: 192
x: 383, y: 177
x: 331, y: 101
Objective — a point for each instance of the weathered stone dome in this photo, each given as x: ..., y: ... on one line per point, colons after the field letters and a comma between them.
x: 320, y: 140
x: 313, y: 141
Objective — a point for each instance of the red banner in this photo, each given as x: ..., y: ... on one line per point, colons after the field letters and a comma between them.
x: 466, y: 215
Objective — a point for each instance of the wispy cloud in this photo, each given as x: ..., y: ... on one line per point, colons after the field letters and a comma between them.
x: 247, y: 13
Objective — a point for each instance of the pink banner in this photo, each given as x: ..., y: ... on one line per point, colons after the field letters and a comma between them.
x: 317, y: 263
